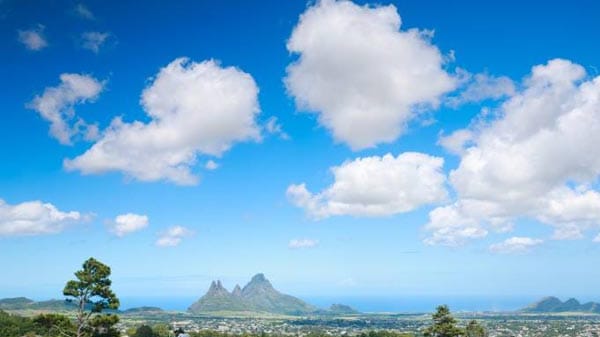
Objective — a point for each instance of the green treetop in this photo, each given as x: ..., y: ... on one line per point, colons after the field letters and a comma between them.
x: 474, y: 329
x: 444, y: 325
x: 144, y: 331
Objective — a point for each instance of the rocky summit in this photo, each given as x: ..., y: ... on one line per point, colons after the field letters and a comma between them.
x: 256, y: 296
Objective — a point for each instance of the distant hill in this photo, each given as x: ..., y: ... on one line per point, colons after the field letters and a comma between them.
x: 257, y: 296
x: 143, y: 310
x: 342, y: 309
x: 23, y: 303
x: 555, y: 305
x: 15, y: 303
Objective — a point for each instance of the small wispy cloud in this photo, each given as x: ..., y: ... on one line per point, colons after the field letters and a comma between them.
x: 84, y: 12
x: 173, y: 236
x: 303, y: 243
x: 348, y: 282
x: 482, y: 86
x: 33, y: 39
x: 211, y: 165
x: 93, y: 40
x: 515, y: 245
x: 274, y: 127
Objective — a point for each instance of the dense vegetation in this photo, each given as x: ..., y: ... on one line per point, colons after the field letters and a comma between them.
x: 45, y: 325
x: 56, y: 325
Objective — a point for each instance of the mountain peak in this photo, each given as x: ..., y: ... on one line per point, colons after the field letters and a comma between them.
x: 258, y: 285
x: 237, y: 291
x: 572, y: 301
x: 550, y: 299
x: 216, y: 288
x: 260, y: 277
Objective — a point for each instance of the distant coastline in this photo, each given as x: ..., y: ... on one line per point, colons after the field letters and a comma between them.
x: 365, y: 304
x: 396, y: 304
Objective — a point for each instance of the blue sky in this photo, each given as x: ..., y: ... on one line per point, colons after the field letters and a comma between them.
x: 510, y: 206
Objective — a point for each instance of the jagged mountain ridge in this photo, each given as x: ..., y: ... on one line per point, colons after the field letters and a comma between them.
x: 553, y: 305
x: 216, y: 299
x: 258, y: 295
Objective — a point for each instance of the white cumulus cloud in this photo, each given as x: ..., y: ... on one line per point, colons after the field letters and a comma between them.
x: 194, y: 109
x: 538, y: 158
x: 363, y: 75
x: 173, y: 236
x: 33, y: 39
x: 376, y: 186
x: 35, y: 218
x: 303, y: 243
x: 449, y: 227
x: 128, y: 223
x: 515, y: 245
x: 56, y: 105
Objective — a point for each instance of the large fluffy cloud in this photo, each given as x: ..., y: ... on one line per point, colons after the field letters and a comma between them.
x: 35, y: 218
x: 376, y: 186
x: 538, y: 158
x: 56, y: 105
x: 194, y: 109
x: 360, y: 73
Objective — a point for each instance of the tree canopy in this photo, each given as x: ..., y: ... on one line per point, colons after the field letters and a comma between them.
x: 92, y: 294
x: 444, y: 324
x: 474, y: 329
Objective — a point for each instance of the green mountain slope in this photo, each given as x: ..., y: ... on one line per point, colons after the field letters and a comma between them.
x: 342, y: 309
x: 217, y: 298
x: 15, y: 303
x: 23, y: 303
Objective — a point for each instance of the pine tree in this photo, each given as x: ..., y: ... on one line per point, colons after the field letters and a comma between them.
x: 444, y: 325
x: 474, y: 329
x: 92, y: 294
